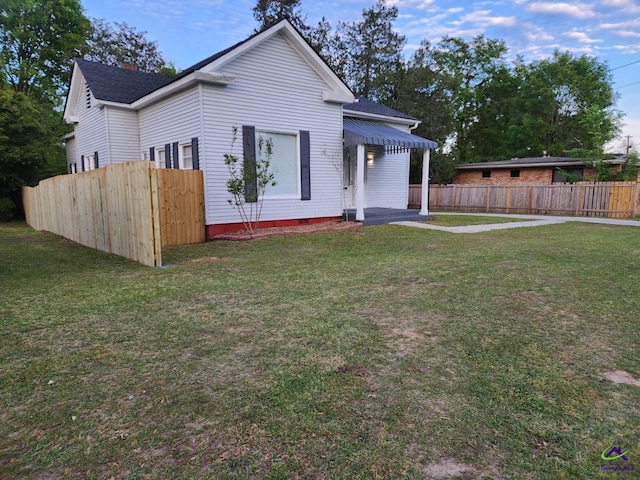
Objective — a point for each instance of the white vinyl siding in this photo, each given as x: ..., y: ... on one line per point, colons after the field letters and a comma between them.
x: 71, y: 153
x: 90, y: 132
x: 124, y: 140
x: 176, y: 119
x: 275, y: 90
x: 388, y: 177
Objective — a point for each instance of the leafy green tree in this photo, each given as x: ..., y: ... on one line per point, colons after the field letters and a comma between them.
x: 120, y: 43
x: 565, y: 105
x: 371, y: 51
x: 418, y: 92
x: 269, y: 12
x: 28, y: 150
x: 465, y: 70
x: 37, y: 40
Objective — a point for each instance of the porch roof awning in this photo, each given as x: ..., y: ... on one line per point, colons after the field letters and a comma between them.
x: 364, y: 132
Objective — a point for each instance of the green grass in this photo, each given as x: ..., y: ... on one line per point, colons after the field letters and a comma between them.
x: 369, y: 353
x: 444, y: 220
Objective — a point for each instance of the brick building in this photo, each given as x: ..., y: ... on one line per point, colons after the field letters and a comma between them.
x: 540, y: 170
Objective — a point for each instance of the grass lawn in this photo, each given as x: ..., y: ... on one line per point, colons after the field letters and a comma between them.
x: 375, y: 353
x: 444, y: 220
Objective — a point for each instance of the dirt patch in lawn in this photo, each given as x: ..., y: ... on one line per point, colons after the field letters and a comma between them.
x: 447, y: 468
x: 620, y: 376
x: 279, y: 231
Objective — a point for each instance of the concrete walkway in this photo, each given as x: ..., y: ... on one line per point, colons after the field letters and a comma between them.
x: 529, y: 221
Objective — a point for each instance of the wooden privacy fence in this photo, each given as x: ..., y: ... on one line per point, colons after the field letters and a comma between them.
x: 130, y: 209
x: 600, y: 199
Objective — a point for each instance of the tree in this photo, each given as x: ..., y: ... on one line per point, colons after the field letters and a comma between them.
x: 372, y: 51
x: 419, y: 93
x: 465, y: 70
x: 565, y: 104
x: 269, y: 12
x: 37, y: 40
x: 27, y: 146
x: 121, y: 44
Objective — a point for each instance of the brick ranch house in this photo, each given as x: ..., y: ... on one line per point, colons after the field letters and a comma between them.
x: 540, y: 170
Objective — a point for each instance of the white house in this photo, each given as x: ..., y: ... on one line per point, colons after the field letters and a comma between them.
x: 327, y: 145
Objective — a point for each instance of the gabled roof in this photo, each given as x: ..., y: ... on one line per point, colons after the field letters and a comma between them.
x: 116, y: 84
x: 133, y: 89
x: 534, y: 162
x: 364, y: 105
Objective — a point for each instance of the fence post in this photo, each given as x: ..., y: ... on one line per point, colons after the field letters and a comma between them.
x: 155, y: 215
x: 508, y: 199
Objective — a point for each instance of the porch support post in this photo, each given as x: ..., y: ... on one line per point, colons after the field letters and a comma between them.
x: 360, y: 166
x: 424, y: 210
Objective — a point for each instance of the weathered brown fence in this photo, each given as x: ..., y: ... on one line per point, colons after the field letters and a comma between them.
x: 129, y: 209
x: 601, y: 199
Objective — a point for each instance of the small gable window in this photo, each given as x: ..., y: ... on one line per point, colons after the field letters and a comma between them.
x: 515, y: 173
x: 486, y: 173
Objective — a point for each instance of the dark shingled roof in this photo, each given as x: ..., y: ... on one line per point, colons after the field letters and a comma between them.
x: 116, y: 84
x: 532, y: 162
x: 364, y: 105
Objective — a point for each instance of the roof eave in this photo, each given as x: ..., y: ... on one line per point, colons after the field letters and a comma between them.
x: 374, y: 116
x: 190, y: 80
x: 72, y: 94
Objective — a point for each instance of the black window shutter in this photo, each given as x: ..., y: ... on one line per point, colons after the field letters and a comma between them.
x: 82, y: 162
x: 305, y: 165
x: 167, y: 155
x: 176, y: 163
x: 70, y: 168
x: 249, y: 153
x: 195, y: 154
x: 152, y: 154
x: 96, y: 163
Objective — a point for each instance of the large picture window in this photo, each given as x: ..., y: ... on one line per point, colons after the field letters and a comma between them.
x: 284, y: 162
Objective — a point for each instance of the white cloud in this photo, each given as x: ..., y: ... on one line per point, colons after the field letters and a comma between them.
x: 484, y: 18
x: 419, y: 4
x: 581, y: 37
x: 577, y: 10
x: 629, y: 6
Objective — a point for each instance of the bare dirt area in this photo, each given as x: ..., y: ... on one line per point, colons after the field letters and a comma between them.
x: 280, y: 231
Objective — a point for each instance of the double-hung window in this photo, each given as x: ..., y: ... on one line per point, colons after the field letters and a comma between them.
x: 186, y: 160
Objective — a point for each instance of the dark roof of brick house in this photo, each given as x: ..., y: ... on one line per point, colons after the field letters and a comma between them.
x: 534, y: 162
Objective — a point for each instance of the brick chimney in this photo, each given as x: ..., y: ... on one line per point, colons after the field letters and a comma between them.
x: 129, y: 66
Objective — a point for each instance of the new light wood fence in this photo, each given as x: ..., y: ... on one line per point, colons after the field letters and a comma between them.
x: 129, y: 209
x: 601, y: 199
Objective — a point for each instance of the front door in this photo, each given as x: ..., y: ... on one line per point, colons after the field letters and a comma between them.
x: 348, y: 176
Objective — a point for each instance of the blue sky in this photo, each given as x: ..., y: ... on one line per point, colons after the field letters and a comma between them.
x: 190, y: 30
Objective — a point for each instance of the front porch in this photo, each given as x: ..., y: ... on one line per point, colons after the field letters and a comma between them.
x: 381, y: 154
x: 382, y: 216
